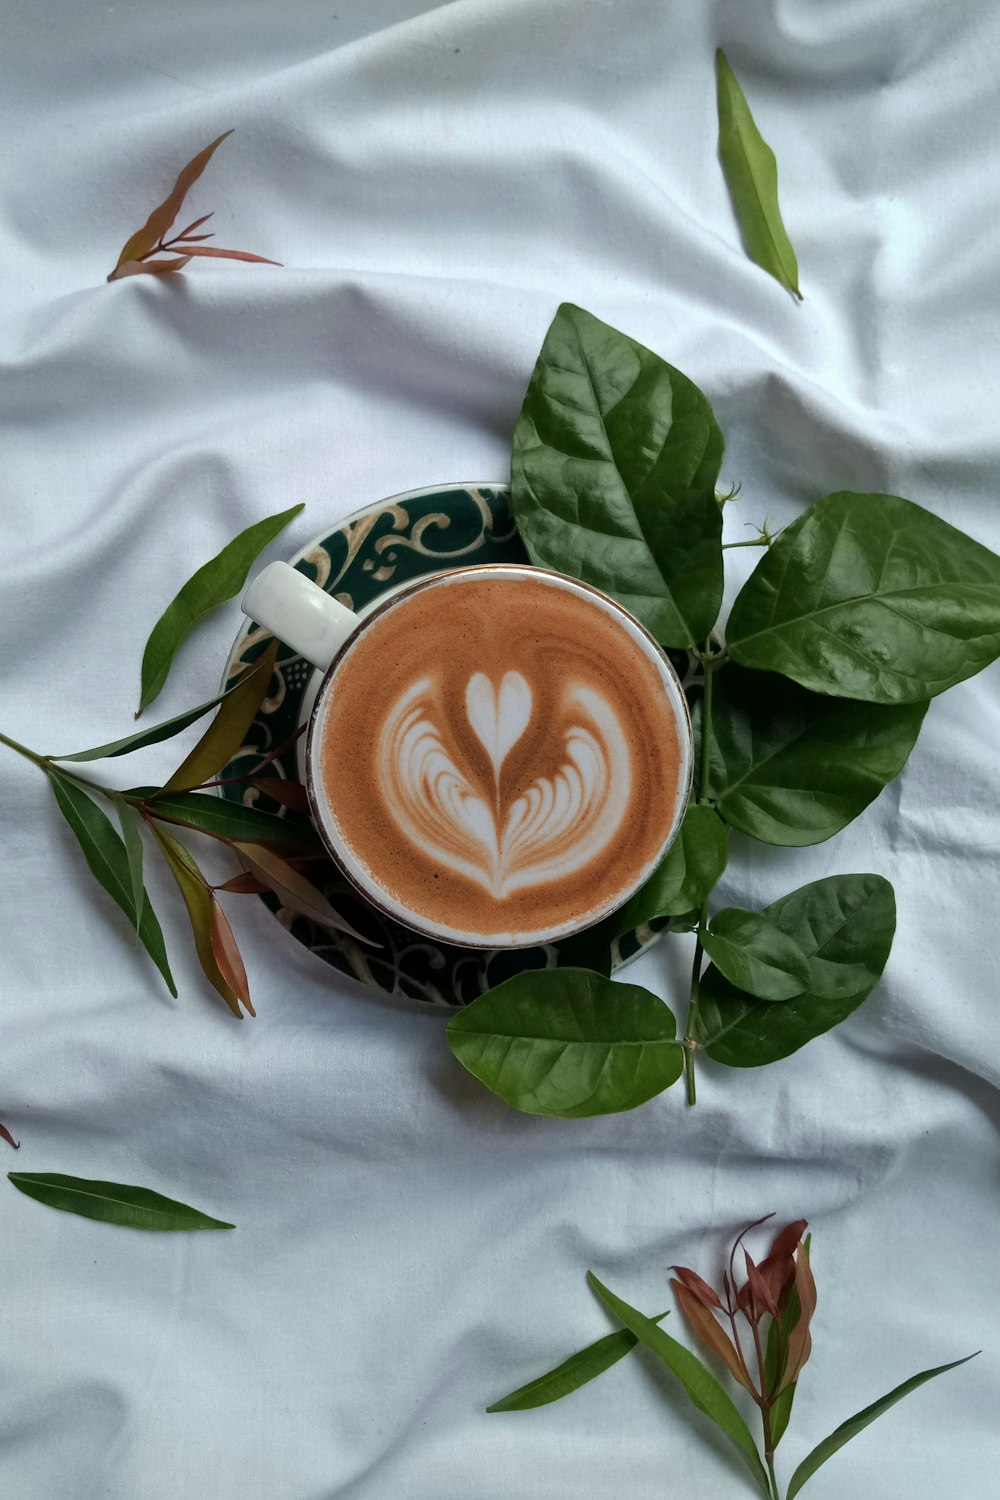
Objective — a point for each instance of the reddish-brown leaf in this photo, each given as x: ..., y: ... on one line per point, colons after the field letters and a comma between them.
x: 200, y: 905
x: 759, y: 1289
x: 8, y: 1137
x: 711, y: 1333
x: 148, y: 267
x: 232, y: 255
x: 787, y: 1241
x: 192, y: 227
x: 190, y: 239
x: 706, y: 1295
x: 800, y: 1339
x: 294, y: 890
x: 288, y: 793
x: 162, y: 217
x: 778, y: 1268
x: 228, y: 957
x: 243, y: 885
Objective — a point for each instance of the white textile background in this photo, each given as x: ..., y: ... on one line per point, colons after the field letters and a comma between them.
x: 436, y: 180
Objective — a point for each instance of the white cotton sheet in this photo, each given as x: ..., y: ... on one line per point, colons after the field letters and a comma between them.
x: 436, y: 180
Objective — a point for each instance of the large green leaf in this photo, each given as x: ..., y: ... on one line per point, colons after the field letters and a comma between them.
x: 613, y: 475
x: 109, y: 863
x: 572, y: 1373
x: 568, y: 1042
x: 755, y: 955
x: 850, y: 1429
x: 704, y: 1390
x: 688, y: 872
x: 752, y: 176
x: 215, y: 582
x: 112, y: 1202
x: 794, y: 767
x: 871, y: 597
x: 844, y: 925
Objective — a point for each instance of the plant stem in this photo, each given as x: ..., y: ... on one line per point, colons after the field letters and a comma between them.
x: 23, y: 750
x: 46, y: 764
x: 704, y: 790
x: 758, y: 541
x: 771, y: 1476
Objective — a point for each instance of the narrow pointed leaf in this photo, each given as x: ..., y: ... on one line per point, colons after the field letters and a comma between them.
x: 108, y: 860
x: 164, y: 215
x: 228, y: 957
x: 244, y: 885
x: 850, y: 1429
x: 704, y: 1323
x: 759, y: 1289
x: 112, y: 1202
x: 776, y: 1359
x: 572, y: 1373
x: 296, y: 892
x: 229, y: 821
x: 9, y: 1138
x: 157, y: 732
x: 230, y: 254
x: 799, y: 1345
x: 131, y: 827
x: 844, y: 925
x: 225, y: 735
x: 752, y: 177
x: 615, y: 460
x: 569, y: 1043
x: 215, y: 582
x: 698, y: 1286
x: 755, y: 955
x: 870, y: 597
x: 149, y: 267
x: 703, y: 1389
x: 200, y: 907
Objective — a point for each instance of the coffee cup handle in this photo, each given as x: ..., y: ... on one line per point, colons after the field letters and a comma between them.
x: 299, y: 613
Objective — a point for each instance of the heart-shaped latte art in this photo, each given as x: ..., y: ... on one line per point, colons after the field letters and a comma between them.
x: 550, y: 829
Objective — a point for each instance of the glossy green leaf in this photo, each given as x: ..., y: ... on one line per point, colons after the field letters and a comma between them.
x: 755, y: 955
x: 568, y: 1042
x: 572, y: 1373
x: 112, y: 1202
x: 202, y: 909
x: 774, y: 1358
x: 224, y: 736
x: 711, y: 1398
x: 157, y: 732
x: 794, y: 767
x: 870, y: 597
x: 844, y: 925
x: 752, y: 177
x: 613, y: 475
x: 229, y: 821
x: 850, y: 1429
x: 108, y: 860
x: 131, y: 827
x: 215, y: 582
x: 688, y: 872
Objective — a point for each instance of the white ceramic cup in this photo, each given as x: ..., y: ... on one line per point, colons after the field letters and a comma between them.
x: 321, y: 630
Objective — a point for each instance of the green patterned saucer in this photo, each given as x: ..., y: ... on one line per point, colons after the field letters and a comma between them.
x: 372, y: 553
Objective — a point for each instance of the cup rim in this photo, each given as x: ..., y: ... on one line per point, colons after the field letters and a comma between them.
x: 545, y: 936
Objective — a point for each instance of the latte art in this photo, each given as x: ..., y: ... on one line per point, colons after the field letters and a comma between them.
x: 550, y: 830
x: 499, y: 757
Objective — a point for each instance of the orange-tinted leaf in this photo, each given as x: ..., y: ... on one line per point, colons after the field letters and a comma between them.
x: 8, y: 1137
x: 244, y: 885
x: 759, y: 1289
x: 162, y: 217
x: 711, y: 1333
x: 778, y: 1269
x: 288, y: 793
x: 200, y: 904
x: 192, y: 227
x: 800, y: 1339
x: 294, y: 890
x: 224, y: 736
x: 229, y: 958
x: 706, y: 1295
x: 233, y: 255
x: 148, y: 267
x: 191, y: 239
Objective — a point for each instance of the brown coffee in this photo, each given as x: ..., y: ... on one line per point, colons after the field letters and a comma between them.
x: 499, y: 756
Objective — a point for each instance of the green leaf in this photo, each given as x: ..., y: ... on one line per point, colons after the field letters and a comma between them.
x: 793, y: 767
x: 131, y: 826
x: 613, y: 475
x: 224, y: 736
x: 228, y: 821
x: 704, y: 1390
x: 569, y: 1043
x: 844, y: 925
x: 870, y: 597
x: 849, y: 1429
x: 112, y: 1202
x: 108, y: 860
x: 572, y: 1373
x: 202, y: 908
x: 755, y: 955
x: 752, y: 177
x: 781, y: 1410
x: 158, y: 732
x: 688, y: 872
x: 214, y: 583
